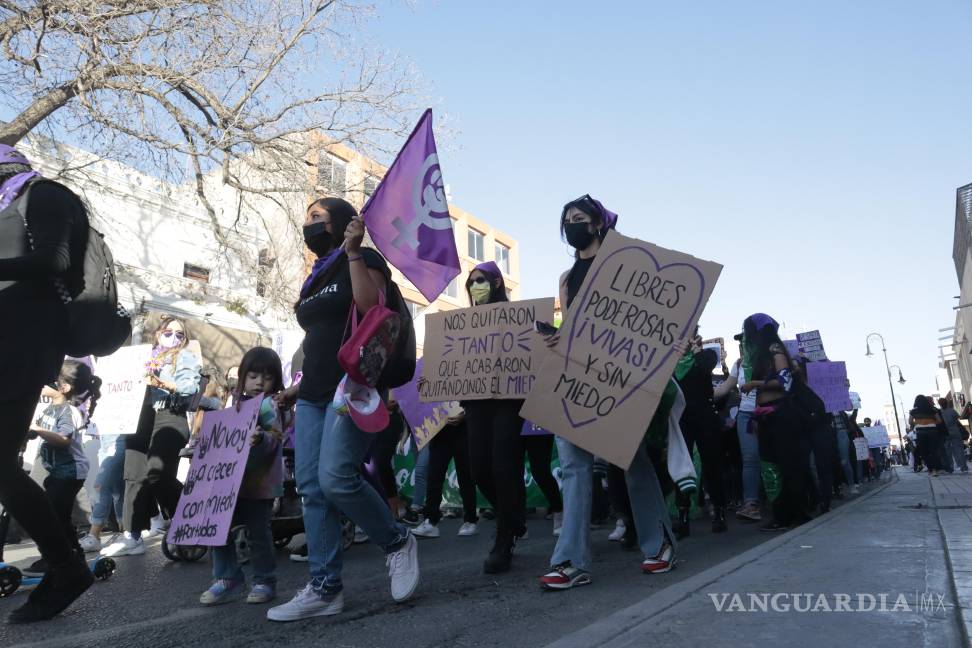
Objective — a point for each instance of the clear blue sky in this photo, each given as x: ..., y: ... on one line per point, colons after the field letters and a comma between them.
x: 811, y: 148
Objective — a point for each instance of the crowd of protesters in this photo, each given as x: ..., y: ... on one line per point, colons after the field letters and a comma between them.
x: 768, y: 451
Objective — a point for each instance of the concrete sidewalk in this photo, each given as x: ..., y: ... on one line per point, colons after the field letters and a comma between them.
x: 876, y: 572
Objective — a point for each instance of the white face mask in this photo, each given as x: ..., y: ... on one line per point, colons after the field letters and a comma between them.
x: 169, y: 339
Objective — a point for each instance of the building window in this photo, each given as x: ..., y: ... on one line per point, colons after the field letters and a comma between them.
x: 503, y: 257
x: 197, y: 273
x: 264, y: 268
x: 332, y: 174
x: 476, y: 245
x: 414, y: 309
x: 370, y: 185
x: 452, y: 290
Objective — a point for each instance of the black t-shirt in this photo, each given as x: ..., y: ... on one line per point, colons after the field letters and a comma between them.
x: 697, y: 387
x: 576, y: 277
x: 324, y: 316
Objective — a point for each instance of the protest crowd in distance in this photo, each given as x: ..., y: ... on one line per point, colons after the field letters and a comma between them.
x: 608, y: 390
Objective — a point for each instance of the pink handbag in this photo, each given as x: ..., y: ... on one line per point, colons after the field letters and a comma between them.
x: 371, y: 344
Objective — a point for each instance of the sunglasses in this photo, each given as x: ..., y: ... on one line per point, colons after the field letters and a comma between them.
x: 479, y: 280
x: 179, y: 335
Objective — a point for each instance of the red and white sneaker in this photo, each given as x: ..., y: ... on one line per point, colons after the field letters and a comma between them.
x: 564, y: 576
x: 661, y: 563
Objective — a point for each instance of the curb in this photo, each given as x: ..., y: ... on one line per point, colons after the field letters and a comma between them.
x: 608, y: 628
x: 963, y: 621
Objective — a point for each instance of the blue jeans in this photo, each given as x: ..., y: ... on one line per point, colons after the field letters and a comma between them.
x: 110, y: 481
x: 421, y: 477
x: 843, y: 453
x: 255, y: 515
x: 749, y: 448
x: 648, y: 507
x: 329, y: 450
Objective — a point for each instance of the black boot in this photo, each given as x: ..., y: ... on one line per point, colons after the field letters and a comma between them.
x: 681, y: 526
x: 61, y: 585
x: 630, y: 538
x: 501, y: 555
x: 719, y: 520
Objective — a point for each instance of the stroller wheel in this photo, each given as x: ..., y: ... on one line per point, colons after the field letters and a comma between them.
x: 241, y: 537
x: 169, y: 551
x: 347, y: 533
x: 9, y: 580
x: 104, y: 568
x: 191, y: 553
x: 280, y: 543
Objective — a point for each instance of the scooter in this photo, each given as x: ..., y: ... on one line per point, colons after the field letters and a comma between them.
x: 12, y: 579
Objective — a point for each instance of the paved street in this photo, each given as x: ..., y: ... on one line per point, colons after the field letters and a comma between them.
x: 457, y: 605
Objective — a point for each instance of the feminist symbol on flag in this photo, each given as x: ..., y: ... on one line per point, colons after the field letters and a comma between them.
x: 429, y: 207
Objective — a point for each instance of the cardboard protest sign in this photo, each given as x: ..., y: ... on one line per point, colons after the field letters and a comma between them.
x: 484, y: 352
x: 860, y: 449
x: 877, y: 436
x: 829, y: 381
x: 855, y: 399
x: 122, y: 389
x: 602, y: 384
x: 425, y: 419
x: 811, y: 346
x: 205, y: 512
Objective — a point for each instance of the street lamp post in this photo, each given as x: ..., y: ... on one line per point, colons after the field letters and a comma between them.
x: 903, y: 419
x: 887, y: 367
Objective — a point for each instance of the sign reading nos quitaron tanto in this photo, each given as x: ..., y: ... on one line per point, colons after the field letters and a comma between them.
x: 484, y: 352
x: 601, y: 385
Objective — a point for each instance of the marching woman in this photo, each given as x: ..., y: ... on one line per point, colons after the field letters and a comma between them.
x: 31, y: 353
x: 783, y: 440
x: 329, y: 447
x: 495, y: 449
x: 152, y: 453
x: 584, y: 223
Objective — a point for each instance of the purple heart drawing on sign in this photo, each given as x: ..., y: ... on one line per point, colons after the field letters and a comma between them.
x: 650, y: 369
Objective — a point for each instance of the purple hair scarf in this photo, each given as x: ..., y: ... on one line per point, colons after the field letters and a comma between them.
x: 13, y: 185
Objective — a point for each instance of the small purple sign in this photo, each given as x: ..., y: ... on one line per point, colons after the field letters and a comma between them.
x: 205, y: 512
x: 425, y: 419
x: 829, y: 381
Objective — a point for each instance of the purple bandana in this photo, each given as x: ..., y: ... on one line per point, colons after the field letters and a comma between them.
x: 762, y: 320
x: 490, y: 268
x: 320, y: 267
x: 609, y: 218
x: 12, y: 187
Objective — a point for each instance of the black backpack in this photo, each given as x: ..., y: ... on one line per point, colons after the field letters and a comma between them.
x: 400, y: 368
x: 97, y: 324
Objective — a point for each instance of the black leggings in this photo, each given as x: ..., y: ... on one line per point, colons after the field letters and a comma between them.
x: 823, y: 444
x: 930, y: 440
x: 450, y: 444
x: 383, y: 453
x: 496, y: 459
x: 21, y: 496
x: 539, y: 450
x: 705, y: 432
x: 62, y: 493
x: 156, y: 482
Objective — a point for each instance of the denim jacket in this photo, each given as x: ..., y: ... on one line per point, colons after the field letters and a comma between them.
x: 185, y: 376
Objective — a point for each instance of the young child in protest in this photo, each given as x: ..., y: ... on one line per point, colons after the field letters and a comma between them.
x: 60, y: 426
x: 260, y: 373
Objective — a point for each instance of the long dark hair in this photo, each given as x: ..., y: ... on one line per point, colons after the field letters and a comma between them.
x: 85, y: 386
x: 497, y: 289
x: 341, y: 212
x: 260, y: 360
x: 761, y: 340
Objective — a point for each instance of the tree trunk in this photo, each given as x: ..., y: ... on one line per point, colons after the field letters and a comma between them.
x: 18, y: 127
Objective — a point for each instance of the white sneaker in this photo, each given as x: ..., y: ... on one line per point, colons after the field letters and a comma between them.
x: 856, y: 489
x: 90, y: 543
x: 468, y: 529
x: 558, y: 523
x: 619, y: 529
x: 306, y: 604
x: 426, y: 530
x: 403, y: 567
x: 360, y: 537
x: 125, y: 545
x: 159, y: 526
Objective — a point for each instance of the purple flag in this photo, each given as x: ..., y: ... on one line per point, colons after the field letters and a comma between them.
x: 408, y: 217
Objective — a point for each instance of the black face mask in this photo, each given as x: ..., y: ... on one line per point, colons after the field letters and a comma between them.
x: 317, y: 239
x: 578, y: 236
